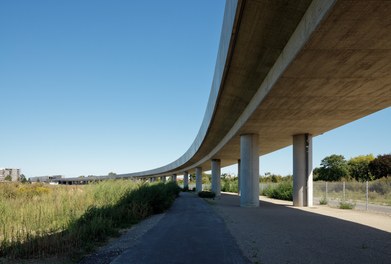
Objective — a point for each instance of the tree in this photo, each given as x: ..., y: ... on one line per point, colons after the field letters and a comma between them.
x: 359, y: 167
x: 206, y: 178
x: 112, y: 174
x: 22, y: 178
x: 315, y: 174
x: 192, y: 177
x: 381, y: 166
x: 8, y: 178
x: 333, y: 168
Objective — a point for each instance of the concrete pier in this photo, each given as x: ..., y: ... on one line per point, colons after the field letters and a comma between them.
x: 216, y: 174
x: 198, y: 179
x: 186, y: 180
x: 302, y: 170
x: 249, y: 170
x: 238, y: 176
x: 173, y: 178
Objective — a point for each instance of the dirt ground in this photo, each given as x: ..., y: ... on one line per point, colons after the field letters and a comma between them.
x: 277, y: 232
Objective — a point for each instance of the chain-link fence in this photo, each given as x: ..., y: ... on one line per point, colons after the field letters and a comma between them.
x: 363, y: 194
x: 374, y: 196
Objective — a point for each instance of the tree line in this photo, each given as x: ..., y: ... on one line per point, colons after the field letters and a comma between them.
x: 361, y: 168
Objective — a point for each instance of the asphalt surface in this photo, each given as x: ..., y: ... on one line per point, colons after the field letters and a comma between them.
x: 190, y: 232
x: 193, y: 231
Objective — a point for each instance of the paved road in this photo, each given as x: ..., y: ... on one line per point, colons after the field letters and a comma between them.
x: 190, y: 232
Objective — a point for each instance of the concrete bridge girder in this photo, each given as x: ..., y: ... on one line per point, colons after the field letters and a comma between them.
x: 328, y: 65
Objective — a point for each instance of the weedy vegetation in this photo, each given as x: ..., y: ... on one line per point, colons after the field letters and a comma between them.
x: 230, y: 185
x: 282, y: 191
x: 346, y: 205
x: 323, y: 201
x: 38, y: 221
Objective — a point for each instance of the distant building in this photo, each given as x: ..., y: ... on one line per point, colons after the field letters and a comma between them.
x: 14, y: 173
x: 46, y: 179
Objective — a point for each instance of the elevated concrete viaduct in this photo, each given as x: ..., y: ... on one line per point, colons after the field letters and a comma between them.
x: 287, y: 71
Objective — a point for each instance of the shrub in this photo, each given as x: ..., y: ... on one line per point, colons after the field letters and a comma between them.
x: 282, y: 191
x: 382, y: 186
x: 274, y: 178
x: 229, y: 185
x: 346, y: 205
x: 323, y: 201
x: 206, y: 194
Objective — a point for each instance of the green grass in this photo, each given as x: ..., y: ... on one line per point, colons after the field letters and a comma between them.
x: 39, y: 221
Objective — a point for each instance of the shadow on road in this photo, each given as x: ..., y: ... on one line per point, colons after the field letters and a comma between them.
x: 274, y: 233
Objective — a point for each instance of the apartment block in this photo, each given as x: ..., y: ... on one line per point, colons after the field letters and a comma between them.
x: 5, y: 172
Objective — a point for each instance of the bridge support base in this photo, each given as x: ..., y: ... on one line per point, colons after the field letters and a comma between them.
x: 198, y: 172
x: 302, y: 170
x: 249, y: 171
x: 173, y: 178
x: 216, y: 174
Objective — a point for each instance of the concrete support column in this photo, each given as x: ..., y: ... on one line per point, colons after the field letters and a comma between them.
x: 186, y: 180
x: 216, y: 174
x: 173, y: 177
x: 302, y: 170
x: 249, y: 171
x: 198, y: 179
x: 238, y: 176
x: 163, y: 179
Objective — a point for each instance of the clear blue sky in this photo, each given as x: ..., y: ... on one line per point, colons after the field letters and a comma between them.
x: 90, y: 87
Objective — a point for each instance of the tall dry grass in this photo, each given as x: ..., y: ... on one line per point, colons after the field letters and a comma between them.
x: 38, y: 220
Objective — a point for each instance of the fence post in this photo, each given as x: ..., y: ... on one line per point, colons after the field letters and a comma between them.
x: 344, y: 196
x: 366, y: 193
x: 326, y: 191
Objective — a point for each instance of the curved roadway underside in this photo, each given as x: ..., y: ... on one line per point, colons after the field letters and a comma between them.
x: 290, y: 67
